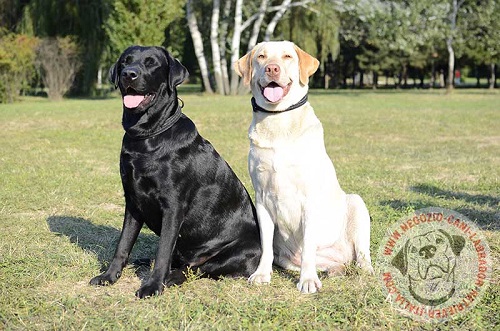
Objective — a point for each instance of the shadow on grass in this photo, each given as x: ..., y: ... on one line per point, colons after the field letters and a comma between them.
x: 102, y: 241
x: 292, y: 276
x: 487, y: 217
x: 435, y: 191
x: 487, y: 220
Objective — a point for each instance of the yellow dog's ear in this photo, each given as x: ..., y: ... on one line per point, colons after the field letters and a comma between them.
x: 307, y: 65
x: 243, y: 67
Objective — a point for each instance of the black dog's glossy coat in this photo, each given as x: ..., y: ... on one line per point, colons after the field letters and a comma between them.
x: 176, y: 183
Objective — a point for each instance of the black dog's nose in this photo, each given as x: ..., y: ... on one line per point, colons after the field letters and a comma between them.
x: 130, y: 74
x: 427, y: 252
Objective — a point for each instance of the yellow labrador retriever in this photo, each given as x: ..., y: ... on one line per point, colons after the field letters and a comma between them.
x: 307, y: 222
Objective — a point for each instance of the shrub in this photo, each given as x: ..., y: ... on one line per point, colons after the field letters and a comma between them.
x: 59, y: 60
x: 17, y: 64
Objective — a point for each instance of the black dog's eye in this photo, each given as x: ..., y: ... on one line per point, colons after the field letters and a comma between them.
x: 127, y: 60
x: 149, y: 61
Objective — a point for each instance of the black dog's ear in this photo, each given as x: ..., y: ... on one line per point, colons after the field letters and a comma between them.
x: 457, y: 243
x: 400, y: 260
x: 113, y: 74
x: 177, y: 72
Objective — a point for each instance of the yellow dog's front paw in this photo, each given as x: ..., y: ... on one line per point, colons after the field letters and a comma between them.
x: 309, y: 285
x: 260, y: 278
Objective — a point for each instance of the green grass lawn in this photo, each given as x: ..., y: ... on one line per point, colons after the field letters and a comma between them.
x: 61, y: 208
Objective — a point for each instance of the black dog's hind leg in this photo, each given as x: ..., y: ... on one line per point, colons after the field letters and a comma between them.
x: 178, y: 276
x: 130, y: 231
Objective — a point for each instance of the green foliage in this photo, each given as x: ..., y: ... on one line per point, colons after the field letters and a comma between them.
x: 384, y: 36
x: 10, y: 11
x: 83, y: 19
x: 394, y: 34
x: 136, y: 22
x: 315, y: 29
x: 481, y: 25
x: 17, y: 69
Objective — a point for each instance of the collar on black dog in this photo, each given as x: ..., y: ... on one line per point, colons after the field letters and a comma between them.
x: 167, y: 125
x: 164, y: 127
x: 257, y: 108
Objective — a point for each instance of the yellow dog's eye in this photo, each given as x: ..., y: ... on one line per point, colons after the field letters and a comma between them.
x: 287, y: 56
x: 261, y: 56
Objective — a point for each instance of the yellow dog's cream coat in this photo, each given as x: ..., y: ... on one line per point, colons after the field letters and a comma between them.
x: 306, y: 220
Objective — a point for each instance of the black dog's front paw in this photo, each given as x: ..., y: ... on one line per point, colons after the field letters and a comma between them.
x: 149, y: 289
x: 105, y: 279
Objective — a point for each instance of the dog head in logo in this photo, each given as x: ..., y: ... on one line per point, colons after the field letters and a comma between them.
x: 429, y: 261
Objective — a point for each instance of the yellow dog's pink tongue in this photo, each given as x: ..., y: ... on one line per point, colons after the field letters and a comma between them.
x: 132, y: 101
x: 273, y: 93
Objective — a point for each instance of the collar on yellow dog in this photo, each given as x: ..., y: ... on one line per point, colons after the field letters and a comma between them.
x: 257, y: 108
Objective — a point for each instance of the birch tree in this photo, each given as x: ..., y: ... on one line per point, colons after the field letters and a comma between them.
x: 198, y: 45
x: 216, y: 51
x: 222, y: 44
x: 277, y: 16
x: 257, y: 24
x: 452, y: 20
x: 223, y: 36
x: 235, y: 45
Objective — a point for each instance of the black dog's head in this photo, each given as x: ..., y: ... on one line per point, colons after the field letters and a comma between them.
x: 145, y: 75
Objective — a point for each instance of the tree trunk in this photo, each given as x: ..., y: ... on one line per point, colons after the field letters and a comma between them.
x: 492, y: 77
x: 405, y: 75
x: 235, y: 45
x: 478, y: 79
x: 451, y: 64
x: 222, y: 45
x: 198, y: 45
x: 257, y: 24
x: 433, y: 75
x: 449, y: 42
x: 230, y: 82
x: 214, y: 42
x: 272, y: 25
x: 99, y: 78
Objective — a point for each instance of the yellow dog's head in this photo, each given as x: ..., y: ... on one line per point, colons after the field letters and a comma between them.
x: 278, y: 73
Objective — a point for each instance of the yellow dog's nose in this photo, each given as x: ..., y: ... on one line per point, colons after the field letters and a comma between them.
x: 273, y: 71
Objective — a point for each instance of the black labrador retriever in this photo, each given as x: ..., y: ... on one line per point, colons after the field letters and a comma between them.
x: 176, y: 183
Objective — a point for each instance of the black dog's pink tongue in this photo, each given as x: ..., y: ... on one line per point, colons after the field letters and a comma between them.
x: 132, y: 101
